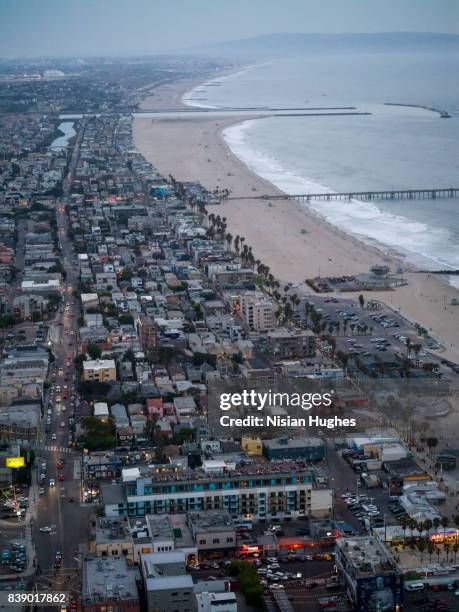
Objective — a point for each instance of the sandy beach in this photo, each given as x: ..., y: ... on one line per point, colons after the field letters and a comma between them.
x: 285, y: 235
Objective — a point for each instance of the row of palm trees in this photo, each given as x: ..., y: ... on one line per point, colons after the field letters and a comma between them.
x: 287, y: 303
x: 424, y: 544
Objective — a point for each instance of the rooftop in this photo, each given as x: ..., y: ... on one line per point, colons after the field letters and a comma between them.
x: 108, y: 579
x: 167, y: 474
x: 98, y: 364
x: 159, y: 526
x: 111, y: 529
x: 275, y: 443
x: 211, y: 520
x: 367, y: 556
x: 166, y: 583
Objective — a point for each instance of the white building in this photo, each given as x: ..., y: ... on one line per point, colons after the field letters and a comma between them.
x: 258, y: 311
x: 216, y: 602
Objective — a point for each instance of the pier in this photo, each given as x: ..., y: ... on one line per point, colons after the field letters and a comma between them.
x: 389, y: 194
x: 443, y: 113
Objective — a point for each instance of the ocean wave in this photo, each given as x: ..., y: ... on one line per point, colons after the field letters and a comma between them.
x: 422, y: 245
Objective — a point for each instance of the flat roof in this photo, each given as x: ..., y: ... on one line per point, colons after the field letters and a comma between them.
x: 276, y: 443
x: 112, y: 494
x: 367, y: 555
x: 211, y: 520
x: 98, y: 364
x: 167, y: 583
x: 159, y: 527
x: 105, y: 579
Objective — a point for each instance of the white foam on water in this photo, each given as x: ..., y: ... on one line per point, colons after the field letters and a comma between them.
x: 424, y: 246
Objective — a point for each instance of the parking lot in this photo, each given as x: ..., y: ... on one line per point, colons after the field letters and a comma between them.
x: 372, y: 332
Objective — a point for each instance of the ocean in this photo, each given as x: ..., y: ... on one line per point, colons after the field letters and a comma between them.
x: 393, y: 147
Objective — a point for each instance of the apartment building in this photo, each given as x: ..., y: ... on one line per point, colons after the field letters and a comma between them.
x: 147, y: 331
x: 257, y: 311
x: 100, y: 370
x: 370, y: 576
x: 291, y: 344
x: 253, y: 493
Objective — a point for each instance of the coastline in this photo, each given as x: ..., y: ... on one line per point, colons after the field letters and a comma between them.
x: 292, y: 240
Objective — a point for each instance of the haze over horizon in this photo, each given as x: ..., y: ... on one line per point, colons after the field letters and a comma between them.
x: 141, y: 27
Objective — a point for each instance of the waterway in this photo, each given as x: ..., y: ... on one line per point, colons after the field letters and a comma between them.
x: 61, y: 142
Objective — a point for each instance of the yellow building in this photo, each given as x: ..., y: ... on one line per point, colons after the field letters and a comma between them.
x: 100, y: 370
x: 252, y: 446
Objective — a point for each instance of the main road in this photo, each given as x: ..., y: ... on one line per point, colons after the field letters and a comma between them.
x: 59, y: 506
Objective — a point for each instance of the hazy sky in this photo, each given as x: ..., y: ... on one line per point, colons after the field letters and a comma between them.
x: 123, y: 27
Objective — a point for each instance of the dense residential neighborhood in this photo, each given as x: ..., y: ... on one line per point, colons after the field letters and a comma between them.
x: 127, y: 310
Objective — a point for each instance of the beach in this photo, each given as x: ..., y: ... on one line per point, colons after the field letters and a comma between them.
x: 295, y: 243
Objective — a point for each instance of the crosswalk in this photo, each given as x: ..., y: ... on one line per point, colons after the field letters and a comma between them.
x: 53, y: 448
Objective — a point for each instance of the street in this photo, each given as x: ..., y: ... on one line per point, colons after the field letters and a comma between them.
x: 58, y: 466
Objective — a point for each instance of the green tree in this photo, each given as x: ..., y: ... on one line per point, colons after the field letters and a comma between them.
x: 126, y: 275
x: 126, y: 319
x: 99, y: 434
x: 421, y: 545
x: 184, y: 435
x: 94, y: 351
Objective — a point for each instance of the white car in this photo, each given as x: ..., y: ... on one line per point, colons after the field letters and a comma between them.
x: 52, y: 482
x: 54, y: 437
x: 45, y: 529
x: 273, y: 566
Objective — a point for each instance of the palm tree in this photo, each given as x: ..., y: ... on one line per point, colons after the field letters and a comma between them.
x: 404, y: 524
x: 455, y: 549
x: 438, y: 551
x: 444, y: 523
x: 428, y: 526
x: 408, y: 347
x: 421, y: 545
x: 432, y: 442
x: 436, y: 523
x: 236, y: 243
x: 430, y: 550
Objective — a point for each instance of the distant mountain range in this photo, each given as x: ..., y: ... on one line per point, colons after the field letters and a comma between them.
x: 291, y: 44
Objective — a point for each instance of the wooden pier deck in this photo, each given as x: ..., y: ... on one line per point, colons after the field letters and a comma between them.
x: 389, y: 194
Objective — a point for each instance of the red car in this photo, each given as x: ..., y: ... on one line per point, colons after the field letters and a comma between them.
x: 61, y: 477
x: 60, y: 465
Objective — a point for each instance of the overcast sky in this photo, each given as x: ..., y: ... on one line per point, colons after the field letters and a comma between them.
x: 124, y: 27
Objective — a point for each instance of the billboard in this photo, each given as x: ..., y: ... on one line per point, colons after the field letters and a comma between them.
x: 15, y: 462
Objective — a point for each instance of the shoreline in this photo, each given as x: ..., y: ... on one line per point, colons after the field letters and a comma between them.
x: 294, y: 241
